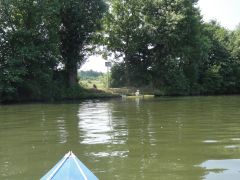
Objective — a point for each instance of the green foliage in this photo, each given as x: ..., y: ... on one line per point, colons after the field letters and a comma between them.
x: 38, y: 40
x: 91, y: 78
x: 28, y: 52
x: 220, y: 70
x: 154, y: 37
x: 165, y: 44
x: 159, y: 44
x: 89, y: 75
x: 79, y: 20
x: 117, y: 78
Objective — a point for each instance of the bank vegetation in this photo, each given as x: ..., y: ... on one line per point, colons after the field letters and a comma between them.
x: 159, y: 44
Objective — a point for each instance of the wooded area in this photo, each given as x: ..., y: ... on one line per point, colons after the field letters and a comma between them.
x: 166, y: 45
x: 43, y: 42
x: 157, y: 43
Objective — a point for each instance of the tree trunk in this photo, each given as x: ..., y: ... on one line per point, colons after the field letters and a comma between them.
x: 72, y: 76
x: 127, y: 71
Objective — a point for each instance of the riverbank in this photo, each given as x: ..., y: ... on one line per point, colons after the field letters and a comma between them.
x: 94, y: 94
x: 73, y: 94
x: 79, y: 93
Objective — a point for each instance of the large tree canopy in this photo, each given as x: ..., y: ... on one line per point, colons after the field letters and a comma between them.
x: 79, y: 19
x: 153, y: 37
x: 165, y: 45
x: 28, y: 47
x: 39, y: 38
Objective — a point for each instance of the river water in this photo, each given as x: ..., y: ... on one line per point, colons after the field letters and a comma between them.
x: 184, y: 138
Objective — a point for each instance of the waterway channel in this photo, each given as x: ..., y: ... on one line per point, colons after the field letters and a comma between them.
x: 183, y: 138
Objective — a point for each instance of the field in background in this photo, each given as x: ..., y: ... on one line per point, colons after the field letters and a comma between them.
x: 88, y: 79
x: 90, y: 83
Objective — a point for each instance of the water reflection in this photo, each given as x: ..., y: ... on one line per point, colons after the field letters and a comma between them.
x: 140, y: 139
x: 121, y: 154
x: 96, y: 124
x: 210, y: 141
x: 232, y: 147
x: 63, y: 134
x: 222, y: 169
x: 43, y: 127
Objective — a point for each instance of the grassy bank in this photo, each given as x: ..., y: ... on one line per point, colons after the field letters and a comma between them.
x: 93, y: 93
x: 62, y: 94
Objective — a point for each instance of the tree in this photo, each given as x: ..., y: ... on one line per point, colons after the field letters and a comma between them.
x: 154, y: 36
x: 175, y: 39
x: 235, y: 43
x: 79, y: 19
x: 231, y: 69
x: 28, y: 48
x: 40, y: 39
x: 123, y: 31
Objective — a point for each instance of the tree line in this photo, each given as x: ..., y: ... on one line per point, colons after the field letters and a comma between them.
x: 89, y: 75
x: 166, y: 45
x: 157, y: 43
x: 42, y: 44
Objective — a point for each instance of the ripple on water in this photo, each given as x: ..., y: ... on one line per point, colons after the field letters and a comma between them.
x: 232, y: 147
x: 210, y: 141
x: 96, y: 125
x: 121, y: 154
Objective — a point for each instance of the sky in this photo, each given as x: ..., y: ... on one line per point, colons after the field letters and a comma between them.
x: 226, y: 12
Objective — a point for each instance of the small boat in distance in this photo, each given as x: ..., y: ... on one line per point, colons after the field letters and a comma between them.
x: 137, y: 97
x: 69, y: 168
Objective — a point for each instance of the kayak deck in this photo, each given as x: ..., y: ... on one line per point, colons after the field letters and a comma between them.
x: 69, y: 168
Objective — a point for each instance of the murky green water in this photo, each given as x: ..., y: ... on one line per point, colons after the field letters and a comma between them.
x: 168, y: 138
